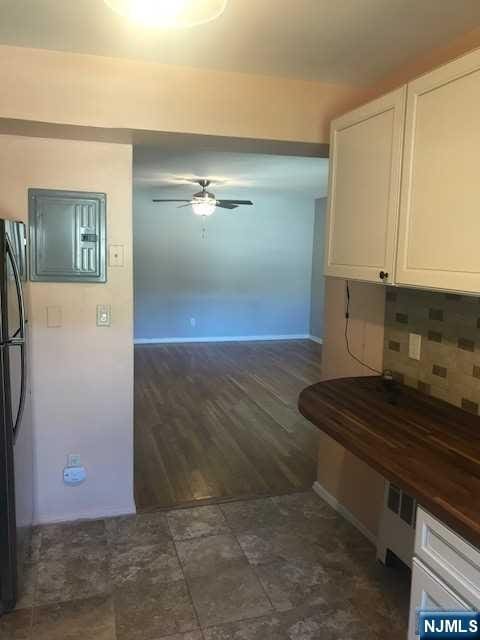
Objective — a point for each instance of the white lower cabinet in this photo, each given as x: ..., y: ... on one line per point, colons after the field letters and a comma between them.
x: 446, y: 570
x: 429, y: 592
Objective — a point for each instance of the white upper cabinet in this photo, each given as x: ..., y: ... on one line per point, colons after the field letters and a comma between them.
x: 366, y: 154
x: 439, y: 232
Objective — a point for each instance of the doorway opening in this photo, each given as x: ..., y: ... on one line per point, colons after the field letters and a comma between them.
x: 228, y: 322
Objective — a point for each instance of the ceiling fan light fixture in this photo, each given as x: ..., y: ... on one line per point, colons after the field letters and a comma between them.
x: 204, y: 206
x: 168, y: 14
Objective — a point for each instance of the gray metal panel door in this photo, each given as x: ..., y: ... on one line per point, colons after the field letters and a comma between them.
x: 67, y: 236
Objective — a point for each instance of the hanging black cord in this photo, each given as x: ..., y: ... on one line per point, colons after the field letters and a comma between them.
x: 347, y: 320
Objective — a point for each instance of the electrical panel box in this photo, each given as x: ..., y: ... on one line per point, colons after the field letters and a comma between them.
x: 67, y: 236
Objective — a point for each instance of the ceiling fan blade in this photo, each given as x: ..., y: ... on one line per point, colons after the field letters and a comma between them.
x: 237, y: 201
x: 163, y: 200
x: 221, y: 204
x: 184, y: 205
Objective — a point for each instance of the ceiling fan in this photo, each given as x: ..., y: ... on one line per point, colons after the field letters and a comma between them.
x: 204, y: 203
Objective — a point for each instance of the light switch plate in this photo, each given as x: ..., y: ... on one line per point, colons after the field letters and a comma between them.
x: 104, y: 315
x: 115, y: 255
x: 54, y: 317
x: 414, y: 346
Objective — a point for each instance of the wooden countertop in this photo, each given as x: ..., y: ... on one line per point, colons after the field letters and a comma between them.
x: 425, y: 446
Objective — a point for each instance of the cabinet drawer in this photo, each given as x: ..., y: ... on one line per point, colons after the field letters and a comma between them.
x: 449, y: 556
x: 428, y: 592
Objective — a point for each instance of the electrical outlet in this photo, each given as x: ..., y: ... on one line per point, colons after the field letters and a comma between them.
x: 74, y: 460
x: 73, y: 476
x: 414, y: 346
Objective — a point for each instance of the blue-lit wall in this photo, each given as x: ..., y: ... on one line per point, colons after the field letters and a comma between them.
x: 250, y: 276
x: 318, y: 280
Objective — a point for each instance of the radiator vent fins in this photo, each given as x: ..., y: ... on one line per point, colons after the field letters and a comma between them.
x: 402, y: 504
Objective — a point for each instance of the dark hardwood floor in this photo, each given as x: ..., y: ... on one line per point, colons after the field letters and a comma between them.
x: 220, y: 421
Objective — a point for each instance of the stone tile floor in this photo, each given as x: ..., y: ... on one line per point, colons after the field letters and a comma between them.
x: 285, y: 568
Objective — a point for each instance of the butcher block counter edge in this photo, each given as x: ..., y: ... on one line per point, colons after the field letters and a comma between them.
x: 427, y: 447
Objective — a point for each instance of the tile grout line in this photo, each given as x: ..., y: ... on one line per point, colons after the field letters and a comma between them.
x: 35, y: 583
x: 197, y: 617
x: 234, y: 536
x: 234, y: 533
x: 110, y: 579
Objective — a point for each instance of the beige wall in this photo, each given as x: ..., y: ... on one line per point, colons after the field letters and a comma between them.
x: 366, y: 328
x: 353, y: 483
x: 82, y: 376
x: 97, y: 91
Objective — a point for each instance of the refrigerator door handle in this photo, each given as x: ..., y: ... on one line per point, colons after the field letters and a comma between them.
x: 23, y: 391
x: 20, y: 341
x: 18, y: 286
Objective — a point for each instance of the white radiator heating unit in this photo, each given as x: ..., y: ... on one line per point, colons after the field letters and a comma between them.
x: 397, y: 526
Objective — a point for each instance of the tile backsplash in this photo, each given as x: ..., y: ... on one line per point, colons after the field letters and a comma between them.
x: 449, y: 365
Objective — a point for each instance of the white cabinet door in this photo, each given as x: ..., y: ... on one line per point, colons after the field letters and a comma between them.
x: 365, y: 166
x: 448, y: 555
x: 440, y: 199
x: 428, y: 592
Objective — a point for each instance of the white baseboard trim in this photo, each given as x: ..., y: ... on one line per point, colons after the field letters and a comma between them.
x: 343, y: 511
x: 296, y: 336
x: 94, y: 514
x: 315, y: 339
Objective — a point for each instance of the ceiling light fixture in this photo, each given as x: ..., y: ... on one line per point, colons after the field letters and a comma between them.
x: 204, y: 206
x: 204, y: 202
x: 168, y: 14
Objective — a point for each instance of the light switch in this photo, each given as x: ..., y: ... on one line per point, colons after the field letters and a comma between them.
x: 54, y: 317
x: 115, y: 255
x: 414, y: 346
x: 104, y: 315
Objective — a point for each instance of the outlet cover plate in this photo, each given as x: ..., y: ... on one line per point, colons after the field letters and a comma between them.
x: 73, y: 476
x: 414, y: 346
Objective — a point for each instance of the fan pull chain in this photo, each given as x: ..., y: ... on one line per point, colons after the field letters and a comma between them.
x: 204, y: 227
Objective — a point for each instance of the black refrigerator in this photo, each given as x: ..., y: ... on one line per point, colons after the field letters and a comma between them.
x: 16, y: 438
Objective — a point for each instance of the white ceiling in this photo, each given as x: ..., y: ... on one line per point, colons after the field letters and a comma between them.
x: 232, y: 174
x: 355, y: 41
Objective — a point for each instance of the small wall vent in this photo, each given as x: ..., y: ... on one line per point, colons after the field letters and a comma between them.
x: 397, y: 525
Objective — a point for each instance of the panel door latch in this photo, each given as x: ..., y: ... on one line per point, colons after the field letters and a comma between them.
x: 89, y: 237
